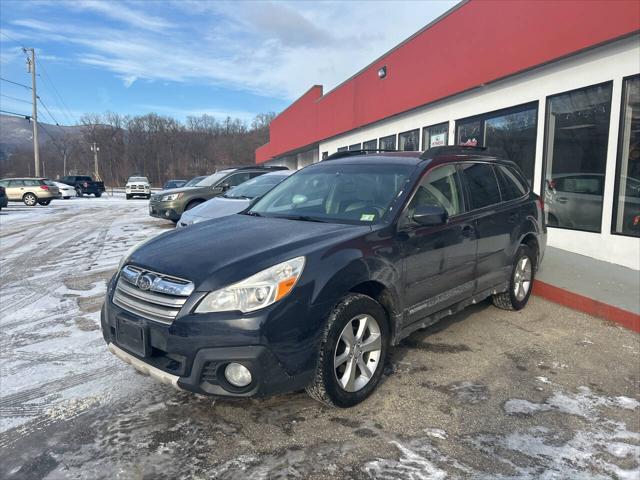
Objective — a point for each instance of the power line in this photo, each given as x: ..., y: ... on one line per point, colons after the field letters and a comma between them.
x: 26, y: 117
x: 16, y: 83
x: 15, y: 98
x: 66, y: 109
x: 49, y: 112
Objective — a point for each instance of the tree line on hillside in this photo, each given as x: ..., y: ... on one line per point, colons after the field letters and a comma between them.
x: 152, y: 145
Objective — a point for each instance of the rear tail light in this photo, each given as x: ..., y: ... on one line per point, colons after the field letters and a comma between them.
x: 636, y: 220
x: 540, y: 203
x: 44, y: 187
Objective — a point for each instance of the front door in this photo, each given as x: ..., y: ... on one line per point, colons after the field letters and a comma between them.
x: 439, y: 261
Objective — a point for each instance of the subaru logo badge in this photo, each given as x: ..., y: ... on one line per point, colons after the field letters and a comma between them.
x: 145, y: 281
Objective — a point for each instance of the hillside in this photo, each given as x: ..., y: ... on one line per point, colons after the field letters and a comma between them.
x: 17, y: 133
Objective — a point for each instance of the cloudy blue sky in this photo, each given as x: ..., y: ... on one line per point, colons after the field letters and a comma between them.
x: 187, y: 57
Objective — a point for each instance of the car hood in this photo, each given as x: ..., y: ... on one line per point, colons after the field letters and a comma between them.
x: 226, y: 250
x: 175, y: 190
x: 215, y: 208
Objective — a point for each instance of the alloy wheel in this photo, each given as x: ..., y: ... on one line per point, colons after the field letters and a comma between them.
x: 522, y: 278
x: 357, y: 353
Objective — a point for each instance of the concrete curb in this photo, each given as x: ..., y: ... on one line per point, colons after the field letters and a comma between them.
x: 587, y: 305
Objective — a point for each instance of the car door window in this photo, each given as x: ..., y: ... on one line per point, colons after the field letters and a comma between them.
x: 237, y: 179
x: 16, y: 183
x: 31, y: 183
x: 510, y: 186
x: 441, y: 187
x: 482, y: 184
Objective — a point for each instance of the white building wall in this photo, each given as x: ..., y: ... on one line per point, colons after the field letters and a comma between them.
x: 610, y: 62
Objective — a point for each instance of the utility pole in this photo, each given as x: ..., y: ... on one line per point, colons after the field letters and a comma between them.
x: 95, y: 149
x: 31, y: 67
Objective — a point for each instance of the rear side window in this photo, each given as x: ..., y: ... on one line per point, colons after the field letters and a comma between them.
x: 32, y: 183
x: 511, y: 186
x: 16, y: 183
x: 482, y: 184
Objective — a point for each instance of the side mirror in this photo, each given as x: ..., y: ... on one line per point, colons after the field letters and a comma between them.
x: 430, y: 215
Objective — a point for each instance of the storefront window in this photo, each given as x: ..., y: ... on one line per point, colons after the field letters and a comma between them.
x: 626, y: 207
x: 435, y: 136
x: 370, y: 145
x: 388, y: 143
x: 576, y: 156
x: 356, y: 146
x: 469, y: 132
x: 409, y: 141
x: 511, y: 131
x: 343, y: 149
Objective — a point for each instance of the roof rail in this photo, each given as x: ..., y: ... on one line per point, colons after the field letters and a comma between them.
x: 351, y: 153
x: 462, y: 150
x: 253, y: 167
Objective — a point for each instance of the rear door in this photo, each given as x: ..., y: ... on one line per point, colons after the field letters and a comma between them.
x: 439, y: 261
x: 495, y: 223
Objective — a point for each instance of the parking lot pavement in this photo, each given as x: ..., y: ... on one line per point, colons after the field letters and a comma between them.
x: 542, y: 393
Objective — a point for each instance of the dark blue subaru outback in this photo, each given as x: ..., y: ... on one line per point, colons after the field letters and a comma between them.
x: 314, y: 282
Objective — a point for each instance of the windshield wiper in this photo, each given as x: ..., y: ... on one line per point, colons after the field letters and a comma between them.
x: 303, y: 218
x: 253, y: 214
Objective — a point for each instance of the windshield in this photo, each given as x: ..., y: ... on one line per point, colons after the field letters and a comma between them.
x: 138, y: 179
x: 255, y: 187
x: 355, y: 194
x: 213, y: 179
x: 194, y: 181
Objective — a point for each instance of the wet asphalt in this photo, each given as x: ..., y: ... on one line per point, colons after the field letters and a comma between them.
x: 541, y: 393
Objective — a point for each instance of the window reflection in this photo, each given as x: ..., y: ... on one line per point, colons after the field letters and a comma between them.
x: 577, y: 137
x: 626, y: 213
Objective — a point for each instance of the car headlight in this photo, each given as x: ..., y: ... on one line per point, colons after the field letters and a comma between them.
x: 256, y: 292
x: 173, y: 196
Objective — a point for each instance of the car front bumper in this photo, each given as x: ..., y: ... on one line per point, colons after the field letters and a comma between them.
x: 192, y: 352
x: 171, y: 210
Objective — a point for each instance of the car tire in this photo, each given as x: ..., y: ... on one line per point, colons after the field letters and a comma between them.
x: 98, y: 194
x: 78, y: 192
x: 128, y: 197
x: 44, y: 203
x: 520, y: 282
x: 30, y: 200
x: 337, y: 359
x: 552, y: 221
x: 192, y: 204
x: 66, y: 198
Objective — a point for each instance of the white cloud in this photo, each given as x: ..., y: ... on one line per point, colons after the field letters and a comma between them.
x: 272, y: 49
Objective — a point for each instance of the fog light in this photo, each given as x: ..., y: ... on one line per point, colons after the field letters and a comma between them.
x: 166, y: 214
x: 237, y: 375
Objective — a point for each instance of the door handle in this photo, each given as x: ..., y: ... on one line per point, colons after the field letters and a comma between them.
x: 562, y: 199
x: 468, y: 231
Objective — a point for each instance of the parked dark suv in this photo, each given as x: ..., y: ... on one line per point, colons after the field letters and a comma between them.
x: 312, y: 284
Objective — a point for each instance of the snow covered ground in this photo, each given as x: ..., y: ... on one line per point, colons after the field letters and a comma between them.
x: 55, y: 262
x: 539, y: 394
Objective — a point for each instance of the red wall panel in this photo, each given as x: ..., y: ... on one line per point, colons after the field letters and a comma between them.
x: 480, y: 42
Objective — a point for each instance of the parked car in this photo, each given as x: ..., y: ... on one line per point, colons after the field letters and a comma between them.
x: 170, y: 204
x: 4, y: 201
x: 173, y: 184
x: 312, y: 285
x: 137, y: 187
x: 30, y: 191
x: 66, y: 191
x: 195, y: 181
x: 235, y: 200
x: 84, y: 185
